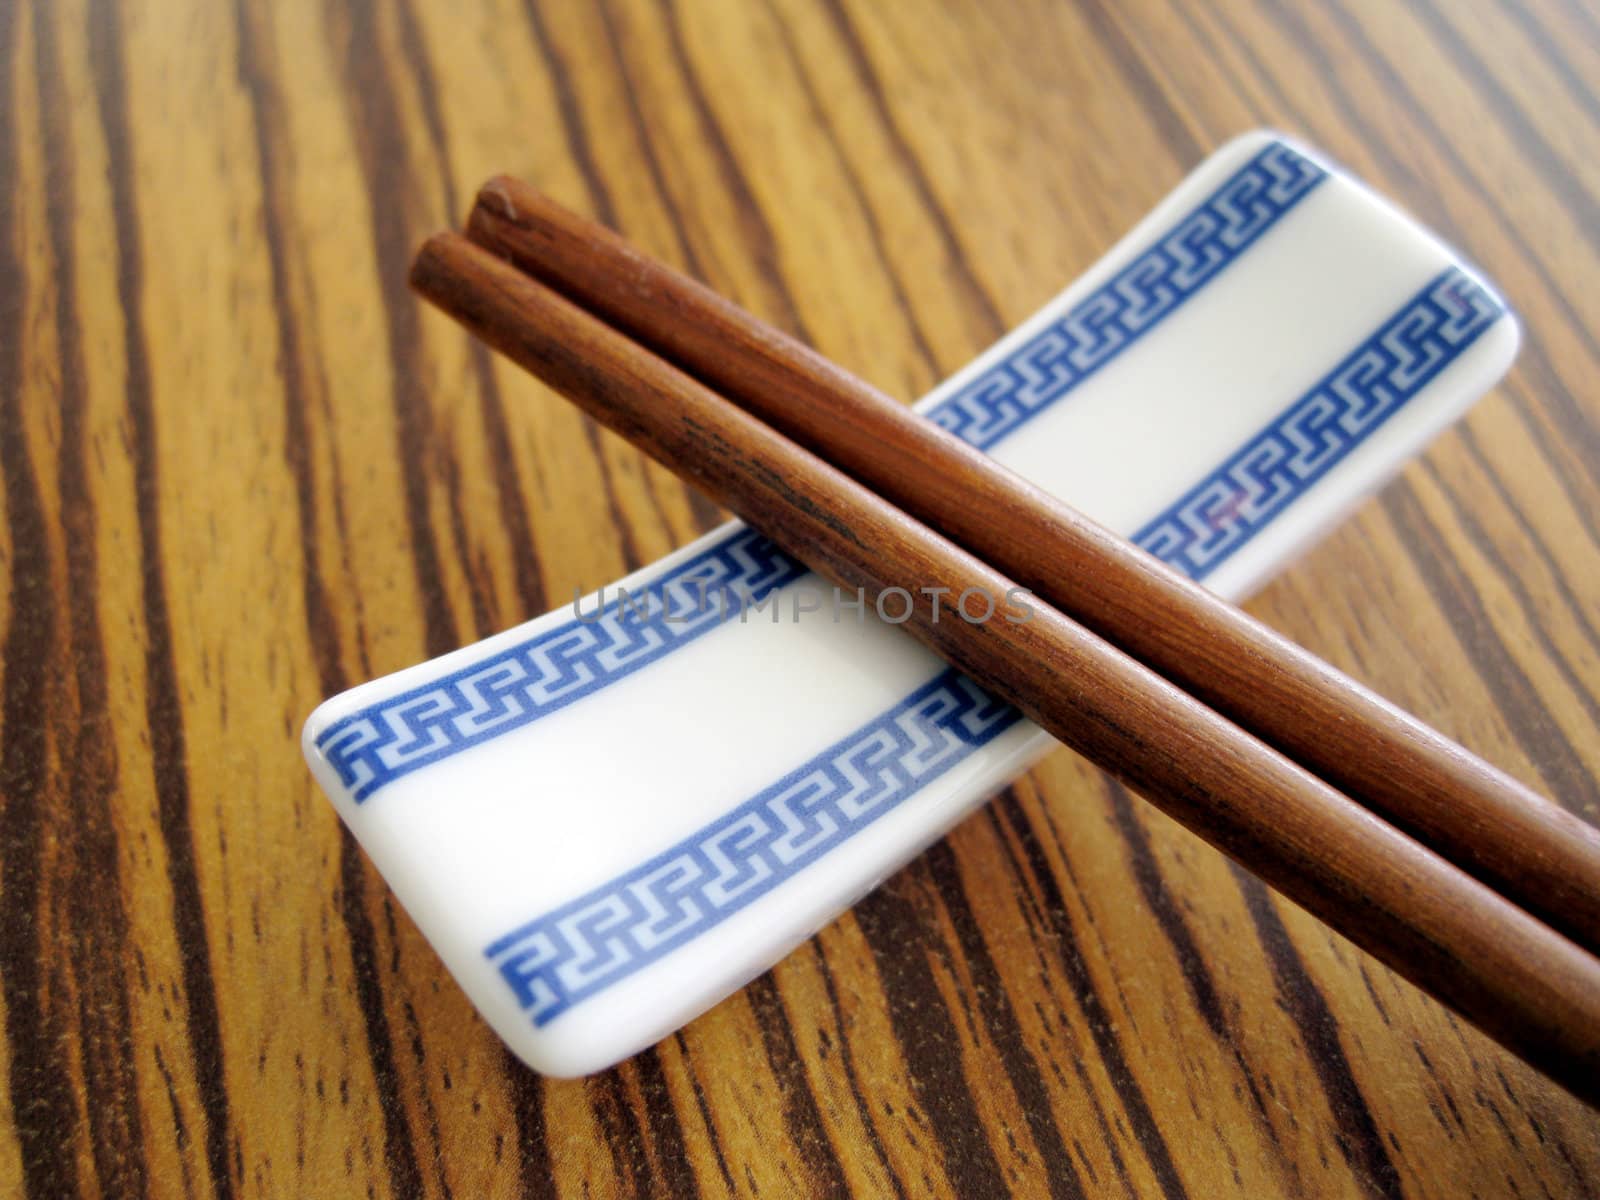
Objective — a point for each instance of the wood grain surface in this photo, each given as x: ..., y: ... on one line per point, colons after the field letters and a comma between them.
x: 243, y: 468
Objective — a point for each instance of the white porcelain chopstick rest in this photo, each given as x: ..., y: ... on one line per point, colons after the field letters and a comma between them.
x: 607, y: 819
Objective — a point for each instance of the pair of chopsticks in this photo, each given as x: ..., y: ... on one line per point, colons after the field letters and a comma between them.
x: 1476, y: 889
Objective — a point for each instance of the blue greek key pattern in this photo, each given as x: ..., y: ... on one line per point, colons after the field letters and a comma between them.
x: 606, y: 935
x: 1280, y: 463
x: 635, y: 919
x: 514, y: 687
x: 1156, y: 284
x: 519, y: 685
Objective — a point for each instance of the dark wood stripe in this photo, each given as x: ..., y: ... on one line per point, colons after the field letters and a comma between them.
x: 705, y: 512
x: 647, y: 146
x: 702, y: 1104
x: 1527, y: 134
x: 1433, y: 1074
x: 1111, y: 1132
x: 1186, y: 951
x: 1579, y: 90
x: 990, y: 322
x: 1372, y: 993
x: 1055, y: 924
x: 608, y: 1097
x: 1164, y: 908
x: 1546, y: 392
x: 41, y: 1090
x: 1046, y: 827
x: 1359, y: 1140
x: 572, y: 123
x: 666, y: 1132
x: 480, y: 588
x: 415, y: 55
x: 852, y: 1076
x: 757, y: 233
x: 858, y: 193
x: 400, y: 1158
x: 42, y: 1098
x: 1185, y: 146
x: 528, y: 571
x: 575, y: 133
x: 180, y: 1127
x: 385, y: 171
x: 86, y: 886
x: 164, y: 711
x: 1581, y: 615
x: 435, y: 1158
x: 1112, y: 1126
x: 924, y: 1029
x: 382, y: 161
x: 255, y: 68
x: 1001, y: 1023
x: 525, y: 1090
x: 627, y: 544
x: 255, y: 72
x: 1518, y: 701
x: 513, y: 508
x: 1485, y: 1102
x: 1584, y: 15
x: 1514, y: 582
x: 1576, y: 1177
x: 106, y: 1058
x: 800, y: 1112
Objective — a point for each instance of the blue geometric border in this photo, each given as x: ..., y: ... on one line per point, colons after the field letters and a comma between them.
x: 622, y: 926
x: 1138, y: 298
x: 514, y: 687
x: 533, y: 679
x: 1222, y: 512
x: 611, y: 932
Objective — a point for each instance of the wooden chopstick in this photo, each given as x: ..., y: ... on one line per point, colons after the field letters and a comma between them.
x: 1507, y: 972
x: 1538, y: 854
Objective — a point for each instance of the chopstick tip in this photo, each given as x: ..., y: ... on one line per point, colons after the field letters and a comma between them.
x: 440, y: 247
x: 495, y: 197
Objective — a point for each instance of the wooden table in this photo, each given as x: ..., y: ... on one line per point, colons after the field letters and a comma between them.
x: 243, y: 469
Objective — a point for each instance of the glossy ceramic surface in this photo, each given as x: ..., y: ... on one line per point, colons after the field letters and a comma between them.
x: 608, y: 818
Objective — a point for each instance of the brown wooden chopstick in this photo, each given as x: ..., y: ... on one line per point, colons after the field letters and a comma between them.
x: 1541, y: 856
x: 1507, y: 972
